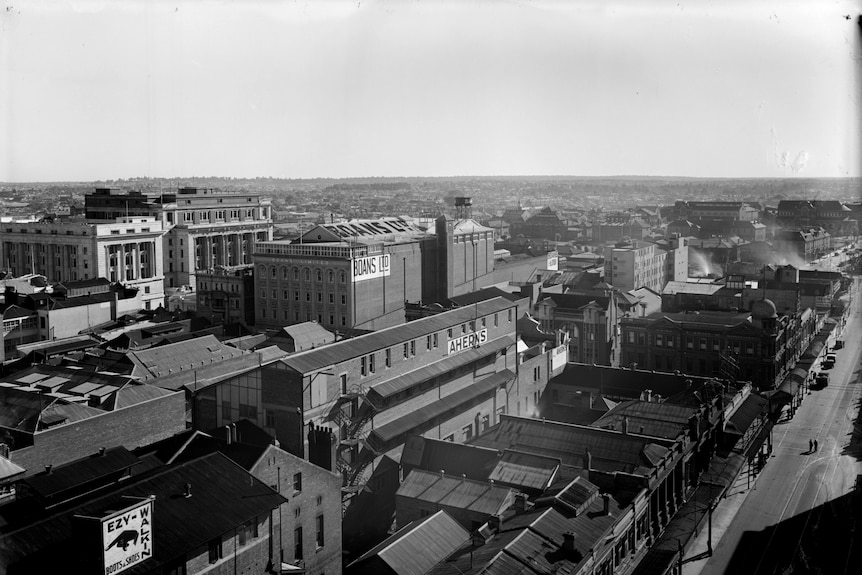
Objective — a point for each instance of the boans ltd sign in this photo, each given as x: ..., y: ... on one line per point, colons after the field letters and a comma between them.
x: 371, y: 267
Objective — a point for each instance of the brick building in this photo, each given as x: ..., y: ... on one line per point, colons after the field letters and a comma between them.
x: 633, y: 264
x: 758, y: 346
x: 360, y: 274
x: 800, y: 246
x: 589, y: 322
x: 95, y: 515
x: 227, y: 293
x: 51, y: 415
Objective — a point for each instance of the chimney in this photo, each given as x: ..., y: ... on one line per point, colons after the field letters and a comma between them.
x: 588, y: 459
x: 482, y: 535
x: 568, y: 542
x: 625, y: 425
x: 188, y: 491
x: 227, y: 433
x: 495, y: 522
x: 48, y: 469
x: 648, y: 395
x: 520, y: 503
x: 101, y: 451
x: 606, y: 503
x: 233, y: 434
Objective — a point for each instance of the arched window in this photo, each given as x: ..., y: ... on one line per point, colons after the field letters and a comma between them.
x: 274, y: 272
x: 296, y: 274
x: 318, y: 273
x: 330, y: 276
x: 306, y: 274
x: 284, y: 273
x: 262, y: 271
x: 342, y: 277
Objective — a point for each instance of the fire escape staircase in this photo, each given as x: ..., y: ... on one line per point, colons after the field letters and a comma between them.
x: 353, y: 432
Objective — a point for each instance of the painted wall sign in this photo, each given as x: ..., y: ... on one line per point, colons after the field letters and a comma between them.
x: 371, y: 267
x: 466, y: 341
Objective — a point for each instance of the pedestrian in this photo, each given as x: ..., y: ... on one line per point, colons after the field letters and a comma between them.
x: 815, y: 445
x: 810, y: 446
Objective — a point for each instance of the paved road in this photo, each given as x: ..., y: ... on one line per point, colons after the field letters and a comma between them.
x: 800, y: 516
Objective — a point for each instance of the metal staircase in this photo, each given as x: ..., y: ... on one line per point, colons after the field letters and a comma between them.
x: 351, y: 412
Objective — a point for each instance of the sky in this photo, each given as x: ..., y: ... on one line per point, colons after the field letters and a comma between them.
x: 97, y: 90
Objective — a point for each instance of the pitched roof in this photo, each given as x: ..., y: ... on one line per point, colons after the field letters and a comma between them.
x: 648, y: 418
x: 301, y: 336
x: 458, y: 492
x: 418, y: 547
x: 740, y: 420
x: 453, y: 458
x: 64, y: 478
x: 609, y: 450
x: 218, y: 507
x: 319, y: 358
x: 186, y: 355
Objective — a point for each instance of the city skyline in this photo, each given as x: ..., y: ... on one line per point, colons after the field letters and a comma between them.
x: 95, y: 91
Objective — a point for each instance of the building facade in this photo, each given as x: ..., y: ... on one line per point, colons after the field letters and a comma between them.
x: 128, y: 251
x: 227, y: 293
x: 631, y: 265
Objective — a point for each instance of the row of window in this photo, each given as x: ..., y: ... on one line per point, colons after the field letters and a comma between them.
x: 691, y: 343
x: 296, y: 295
x: 306, y: 274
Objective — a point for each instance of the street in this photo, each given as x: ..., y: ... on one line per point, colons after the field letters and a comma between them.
x: 799, y: 515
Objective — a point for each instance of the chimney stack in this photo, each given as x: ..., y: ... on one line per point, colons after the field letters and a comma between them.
x: 495, y: 522
x: 520, y: 502
x: 606, y: 503
x: 188, y: 491
x: 625, y: 425
x: 227, y: 433
x: 568, y: 542
x: 48, y: 468
x: 101, y: 451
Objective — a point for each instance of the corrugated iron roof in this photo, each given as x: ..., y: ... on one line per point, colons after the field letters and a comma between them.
x: 454, y: 458
x: 453, y: 491
x: 319, y: 358
x: 525, y: 470
x: 417, y: 418
x: 405, y: 381
x: 64, y: 478
x: 419, y: 546
x: 182, y: 356
x: 742, y: 418
x: 609, y: 451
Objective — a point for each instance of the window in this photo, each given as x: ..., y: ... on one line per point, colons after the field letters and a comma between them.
x: 247, y: 531
x: 388, y: 357
x: 537, y: 373
x: 486, y: 422
x: 406, y: 350
x: 496, y: 320
x: 371, y: 363
x: 428, y: 342
x: 270, y: 418
x: 413, y: 347
x: 320, y: 499
x: 467, y: 432
x: 297, y: 481
x: 343, y: 299
x: 319, y: 540
x: 363, y: 369
x: 331, y: 298
x: 435, y: 340
x: 248, y: 411
x: 215, y: 551
x: 509, y: 316
x: 297, y: 543
x: 659, y: 339
x: 449, y: 333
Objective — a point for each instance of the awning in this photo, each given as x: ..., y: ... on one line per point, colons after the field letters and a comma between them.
x: 741, y: 419
x: 392, y: 386
x: 380, y: 436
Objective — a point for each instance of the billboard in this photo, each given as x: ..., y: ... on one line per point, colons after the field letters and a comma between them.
x: 553, y: 261
x: 127, y: 537
x: 370, y: 267
x: 466, y: 341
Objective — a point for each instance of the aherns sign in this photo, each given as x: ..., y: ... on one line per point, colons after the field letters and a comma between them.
x: 466, y: 341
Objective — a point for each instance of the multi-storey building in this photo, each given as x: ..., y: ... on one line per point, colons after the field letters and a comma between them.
x: 759, y: 346
x: 715, y: 210
x: 632, y: 264
x: 227, y: 293
x: 447, y: 376
x: 805, y: 245
x: 204, y: 227
x: 836, y: 218
x: 360, y: 274
x: 590, y: 322
x: 128, y: 250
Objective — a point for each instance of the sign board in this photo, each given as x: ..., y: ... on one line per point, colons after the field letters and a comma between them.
x: 553, y: 261
x: 127, y: 537
x: 371, y: 267
x: 466, y: 341
x: 558, y: 357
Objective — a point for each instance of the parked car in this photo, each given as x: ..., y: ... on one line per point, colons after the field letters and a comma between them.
x: 839, y: 344
x: 828, y: 362
x: 821, y: 379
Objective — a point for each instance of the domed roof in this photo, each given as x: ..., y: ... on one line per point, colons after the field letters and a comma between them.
x: 763, y: 309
